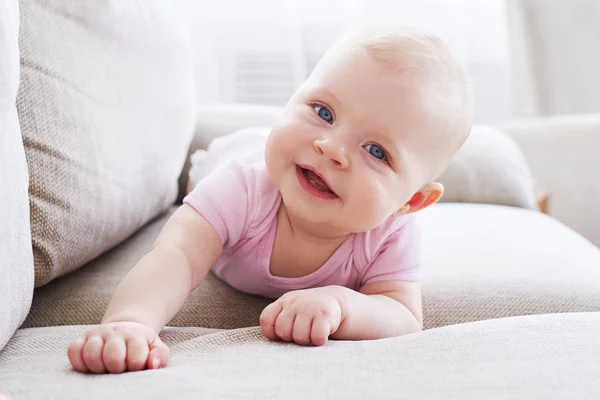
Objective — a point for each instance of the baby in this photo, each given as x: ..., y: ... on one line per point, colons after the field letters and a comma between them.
x: 321, y: 218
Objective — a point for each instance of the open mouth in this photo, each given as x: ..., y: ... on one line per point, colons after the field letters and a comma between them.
x: 314, y: 184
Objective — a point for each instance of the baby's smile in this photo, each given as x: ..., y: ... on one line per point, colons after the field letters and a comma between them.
x: 314, y: 183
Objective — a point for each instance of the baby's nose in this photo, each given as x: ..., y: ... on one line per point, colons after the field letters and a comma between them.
x: 334, y: 150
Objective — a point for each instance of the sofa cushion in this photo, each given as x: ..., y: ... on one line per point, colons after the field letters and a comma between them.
x: 489, y: 168
x: 534, y: 357
x: 106, y: 106
x: 481, y: 262
x: 16, y: 258
x: 485, y: 261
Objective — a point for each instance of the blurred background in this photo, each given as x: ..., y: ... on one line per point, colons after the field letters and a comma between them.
x: 259, y: 51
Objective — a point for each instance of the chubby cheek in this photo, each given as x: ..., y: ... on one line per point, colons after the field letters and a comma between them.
x: 277, y: 148
x: 370, y: 205
x: 285, y: 137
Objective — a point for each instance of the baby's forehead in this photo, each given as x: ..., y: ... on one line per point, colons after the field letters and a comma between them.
x: 381, y: 96
x: 378, y: 100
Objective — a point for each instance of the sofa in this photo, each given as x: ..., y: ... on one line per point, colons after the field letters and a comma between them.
x: 97, y: 125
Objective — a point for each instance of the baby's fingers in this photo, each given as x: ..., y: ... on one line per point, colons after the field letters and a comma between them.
x: 75, y: 353
x: 137, y: 354
x: 285, y: 324
x: 302, y: 329
x: 114, y: 355
x: 320, y: 331
x: 92, y: 354
x: 268, y: 318
x: 159, y: 354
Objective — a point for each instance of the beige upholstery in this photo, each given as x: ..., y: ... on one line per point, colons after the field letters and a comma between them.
x: 16, y: 258
x: 106, y: 106
x: 489, y: 169
x: 534, y: 358
x: 485, y: 261
x: 472, y: 271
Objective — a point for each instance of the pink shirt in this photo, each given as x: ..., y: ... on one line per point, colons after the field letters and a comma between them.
x: 239, y: 200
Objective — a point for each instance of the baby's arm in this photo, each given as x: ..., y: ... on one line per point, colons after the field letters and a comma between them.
x: 148, y: 298
x: 381, y: 309
x: 156, y: 288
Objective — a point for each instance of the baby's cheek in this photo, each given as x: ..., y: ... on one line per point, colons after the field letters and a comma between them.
x: 285, y: 138
x: 372, y: 207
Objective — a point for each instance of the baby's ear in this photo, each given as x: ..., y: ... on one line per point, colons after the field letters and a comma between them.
x: 426, y: 196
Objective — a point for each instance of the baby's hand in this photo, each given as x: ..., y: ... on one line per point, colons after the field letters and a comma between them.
x: 118, y: 347
x: 303, y: 316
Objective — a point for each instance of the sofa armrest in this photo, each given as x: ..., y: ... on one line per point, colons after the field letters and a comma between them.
x: 222, y: 119
x: 563, y: 154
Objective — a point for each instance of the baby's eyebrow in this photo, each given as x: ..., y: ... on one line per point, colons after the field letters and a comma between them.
x: 323, y: 91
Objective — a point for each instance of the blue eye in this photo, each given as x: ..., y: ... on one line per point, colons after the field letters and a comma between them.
x: 324, y: 113
x: 376, y: 151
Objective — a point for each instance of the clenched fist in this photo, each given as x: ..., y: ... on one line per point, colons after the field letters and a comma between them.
x: 118, y: 347
x: 303, y: 316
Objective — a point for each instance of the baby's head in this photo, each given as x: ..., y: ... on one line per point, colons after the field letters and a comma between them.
x: 378, y: 120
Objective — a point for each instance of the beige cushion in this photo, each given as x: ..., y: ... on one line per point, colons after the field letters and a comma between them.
x: 481, y: 262
x: 485, y: 261
x: 16, y: 258
x: 535, y: 358
x: 489, y: 168
x: 106, y: 106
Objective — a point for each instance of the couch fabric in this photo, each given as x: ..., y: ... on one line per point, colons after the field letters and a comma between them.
x: 534, y: 357
x: 486, y: 261
x: 16, y: 257
x: 489, y: 168
x: 107, y: 109
x: 481, y: 262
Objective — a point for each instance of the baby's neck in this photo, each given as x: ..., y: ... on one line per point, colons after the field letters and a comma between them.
x: 300, y: 248
x: 305, y: 232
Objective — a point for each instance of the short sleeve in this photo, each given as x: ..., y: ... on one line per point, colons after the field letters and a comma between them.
x: 398, y: 258
x: 223, y: 198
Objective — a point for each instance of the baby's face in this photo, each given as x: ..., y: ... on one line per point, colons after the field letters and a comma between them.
x: 358, y: 128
